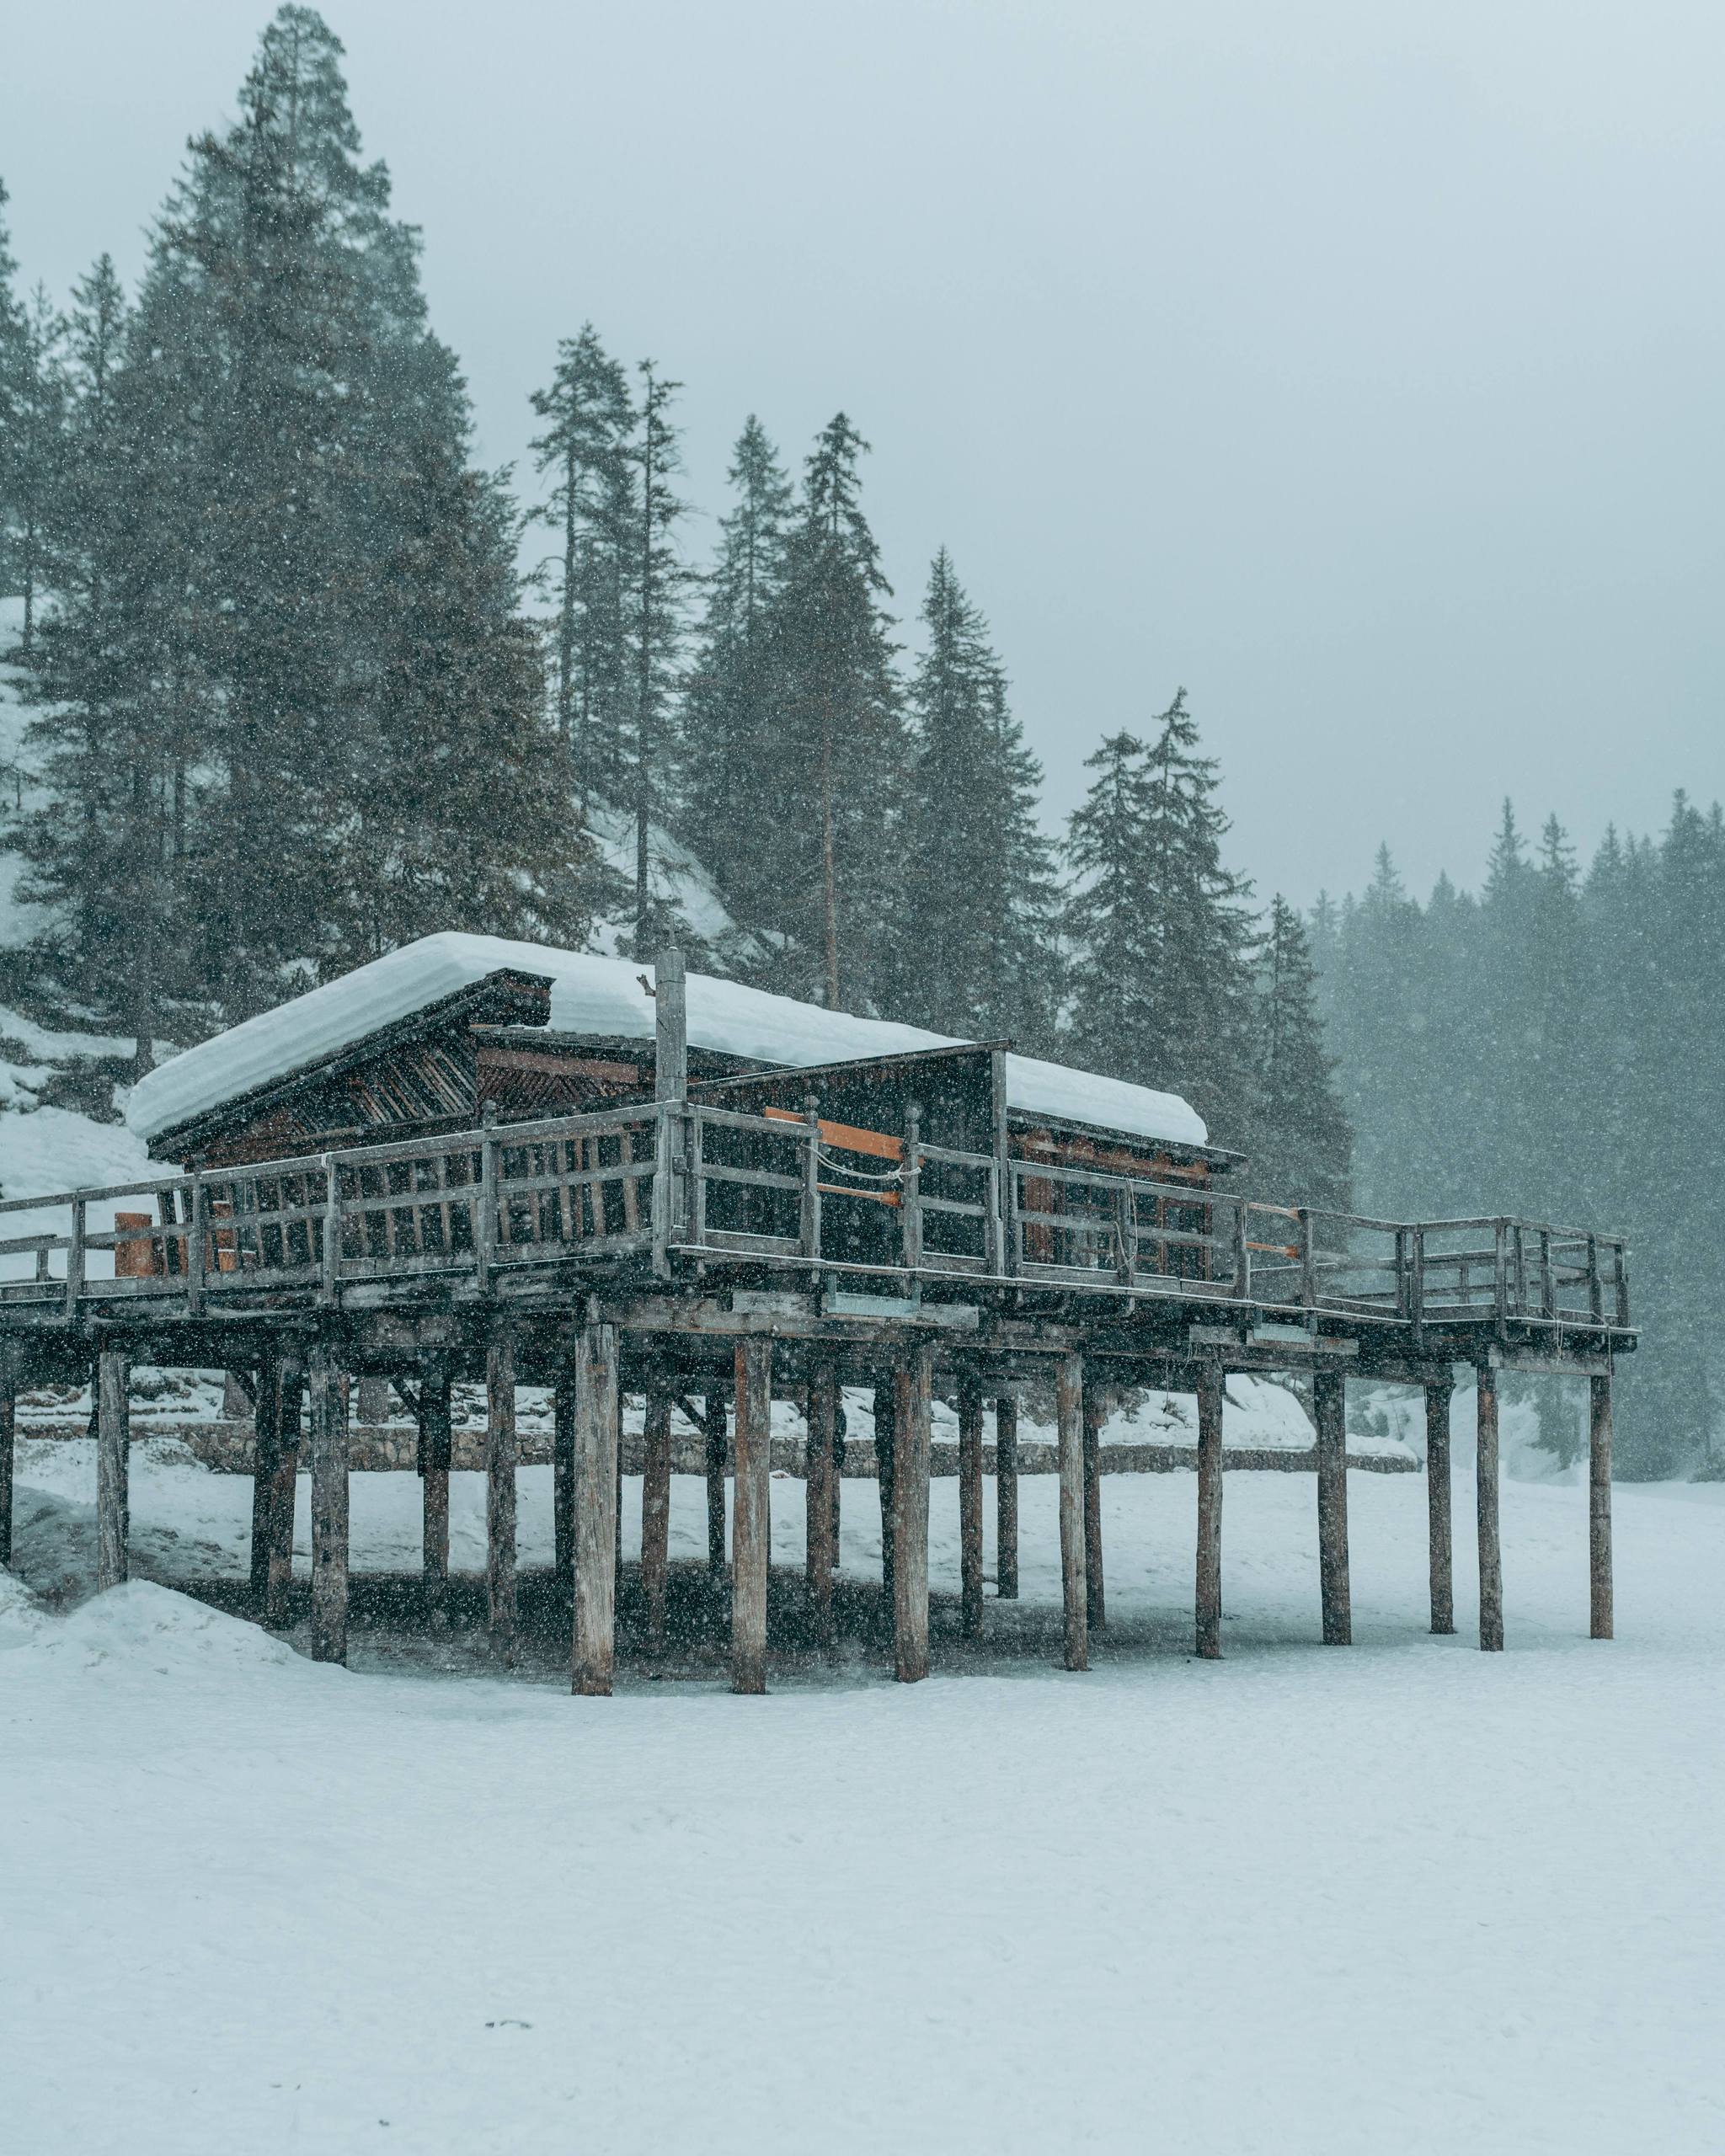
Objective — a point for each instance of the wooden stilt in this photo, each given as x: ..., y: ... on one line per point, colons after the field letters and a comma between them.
x: 1069, y: 1402
x: 616, y: 1510
x: 329, y: 1507
x: 884, y: 1410
x: 113, y: 1469
x: 266, y: 1427
x: 436, y: 1445
x: 1329, y: 1405
x: 1490, y: 1553
x: 1600, y: 1505
x: 823, y: 1474
x: 595, y: 1644
x: 1438, y: 1505
x: 8, y: 1446
x: 563, y: 1475
x: 373, y: 1406
x: 500, y: 1492
x: 913, y: 1387
x: 1095, y: 1411
x: 751, y: 1520
x: 1006, y: 1497
x: 1211, y: 1393
x: 715, y: 1433
x: 290, y: 1413
x: 835, y: 1484
x: 655, y: 1510
x: 970, y: 1507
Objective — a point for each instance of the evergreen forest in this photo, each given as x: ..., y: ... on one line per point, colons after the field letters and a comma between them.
x: 304, y: 682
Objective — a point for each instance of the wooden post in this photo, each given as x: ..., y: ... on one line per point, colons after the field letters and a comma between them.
x: 715, y: 1435
x: 1438, y: 1505
x: 670, y: 1026
x: 1490, y: 1555
x: 291, y: 1401
x: 913, y: 1387
x: 884, y: 1410
x: 1095, y: 1415
x: 595, y: 1645
x: 500, y: 1492
x: 1211, y: 1396
x: 1329, y: 1390
x: 437, y: 1447
x: 822, y: 1475
x: 656, y: 1509
x: 970, y: 1506
x: 8, y: 1444
x: 910, y: 1189
x: 113, y: 1469
x: 329, y: 1507
x: 563, y: 1475
x: 266, y: 1427
x: 751, y: 1524
x: 1069, y: 1404
x: 1006, y: 1497
x: 1600, y: 1505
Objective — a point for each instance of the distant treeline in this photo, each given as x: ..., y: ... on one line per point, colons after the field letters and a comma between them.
x: 1555, y: 1048
x: 294, y: 702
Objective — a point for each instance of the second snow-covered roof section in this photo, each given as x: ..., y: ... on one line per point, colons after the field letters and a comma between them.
x: 603, y: 998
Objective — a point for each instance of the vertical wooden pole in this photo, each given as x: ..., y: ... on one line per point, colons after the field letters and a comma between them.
x: 913, y: 1387
x: 970, y: 1506
x: 9, y: 1445
x: 563, y: 1475
x: 329, y: 1507
x: 1329, y: 1390
x: 1006, y: 1497
x: 616, y: 1510
x: 500, y: 1492
x: 751, y: 1519
x: 1095, y: 1409
x: 1069, y: 1404
x: 823, y: 1475
x: 266, y: 1448
x: 594, y: 1646
x: 1490, y: 1553
x: 289, y: 1409
x: 885, y: 1408
x: 1211, y: 1394
x: 1600, y: 1505
x: 1438, y: 1505
x: 715, y: 1436
x: 113, y: 1469
x: 436, y: 1446
x: 655, y: 1509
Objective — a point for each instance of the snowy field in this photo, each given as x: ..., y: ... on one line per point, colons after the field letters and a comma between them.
x: 1401, y: 1897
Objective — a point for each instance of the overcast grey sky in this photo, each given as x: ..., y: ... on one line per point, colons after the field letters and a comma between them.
x: 1357, y: 365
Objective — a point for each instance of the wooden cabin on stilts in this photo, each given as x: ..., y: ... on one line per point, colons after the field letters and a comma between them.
x: 502, y: 1165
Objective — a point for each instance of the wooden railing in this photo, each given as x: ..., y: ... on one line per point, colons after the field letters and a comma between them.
x: 652, y: 1181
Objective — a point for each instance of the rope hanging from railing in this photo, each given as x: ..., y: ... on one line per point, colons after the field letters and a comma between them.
x: 862, y: 1175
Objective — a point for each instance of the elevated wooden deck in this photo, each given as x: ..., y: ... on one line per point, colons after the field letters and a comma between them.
x: 680, y: 1246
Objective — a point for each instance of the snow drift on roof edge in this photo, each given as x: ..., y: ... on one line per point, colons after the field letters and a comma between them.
x: 592, y: 994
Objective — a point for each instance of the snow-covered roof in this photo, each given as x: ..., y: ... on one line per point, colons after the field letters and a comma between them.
x: 603, y: 997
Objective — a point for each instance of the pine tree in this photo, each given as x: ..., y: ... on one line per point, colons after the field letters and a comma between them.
x: 1301, y: 1143
x: 585, y: 447
x: 1171, y: 911
x: 835, y: 842
x: 659, y: 586
x: 36, y: 422
x: 1113, y: 953
x: 976, y: 950
x: 14, y: 398
x: 732, y: 747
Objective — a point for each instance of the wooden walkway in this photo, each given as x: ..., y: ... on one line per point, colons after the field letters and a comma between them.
x: 679, y: 1248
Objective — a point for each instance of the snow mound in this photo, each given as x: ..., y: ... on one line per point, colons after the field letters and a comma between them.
x: 22, y: 1617
x: 157, y: 1629
x: 609, y: 998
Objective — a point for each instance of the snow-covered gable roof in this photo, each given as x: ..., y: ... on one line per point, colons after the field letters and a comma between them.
x: 602, y: 997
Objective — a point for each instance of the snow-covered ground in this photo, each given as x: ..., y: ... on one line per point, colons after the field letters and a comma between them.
x: 1397, y: 1898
